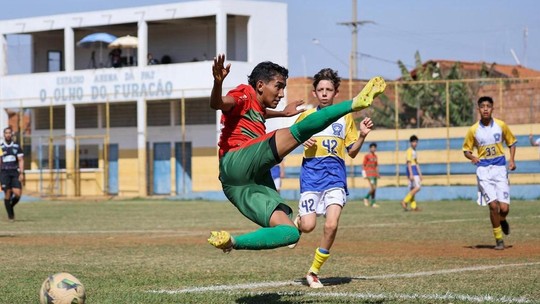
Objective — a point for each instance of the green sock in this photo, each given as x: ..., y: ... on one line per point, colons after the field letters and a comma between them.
x: 319, y: 120
x: 372, y: 201
x: 267, y: 238
x: 367, y: 196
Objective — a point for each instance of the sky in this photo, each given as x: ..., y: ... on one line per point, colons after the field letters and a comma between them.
x: 479, y: 30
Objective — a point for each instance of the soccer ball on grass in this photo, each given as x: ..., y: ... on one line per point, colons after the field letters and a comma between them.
x: 62, y: 288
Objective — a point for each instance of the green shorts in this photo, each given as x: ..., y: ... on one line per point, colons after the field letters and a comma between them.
x: 247, y: 182
x: 372, y: 180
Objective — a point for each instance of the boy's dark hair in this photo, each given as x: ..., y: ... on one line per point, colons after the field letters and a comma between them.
x: 413, y: 138
x: 485, y: 98
x: 8, y: 128
x: 373, y: 145
x: 327, y: 74
x: 266, y: 71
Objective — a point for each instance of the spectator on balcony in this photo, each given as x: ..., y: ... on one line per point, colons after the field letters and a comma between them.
x: 166, y: 59
x: 152, y: 60
x: 116, y: 58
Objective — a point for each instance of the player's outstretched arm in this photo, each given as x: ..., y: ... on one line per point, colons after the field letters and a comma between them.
x: 220, y: 72
x: 290, y: 110
x: 365, y: 127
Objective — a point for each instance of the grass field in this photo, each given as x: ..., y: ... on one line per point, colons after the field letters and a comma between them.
x: 140, y: 251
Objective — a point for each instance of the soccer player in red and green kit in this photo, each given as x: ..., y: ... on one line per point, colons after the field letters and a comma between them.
x: 247, y: 152
x: 371, y: 169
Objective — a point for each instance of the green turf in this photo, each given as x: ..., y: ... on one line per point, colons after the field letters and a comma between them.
x: 122, y: 250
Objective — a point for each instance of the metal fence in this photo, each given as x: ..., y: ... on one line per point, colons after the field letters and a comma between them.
x: 441, y: 103
x: 440, y: 113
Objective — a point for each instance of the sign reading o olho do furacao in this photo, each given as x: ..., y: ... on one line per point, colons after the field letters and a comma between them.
x: 103, y: 86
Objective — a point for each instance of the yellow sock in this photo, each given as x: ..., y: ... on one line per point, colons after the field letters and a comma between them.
x: 318, y: 261
x: 413, y: 204
x: 407, y: 198
x: 497, y: 232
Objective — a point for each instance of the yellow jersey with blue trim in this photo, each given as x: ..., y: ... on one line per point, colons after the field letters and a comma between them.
x: 488, y: 141
x: 323, y: 165
x: 413, y: 159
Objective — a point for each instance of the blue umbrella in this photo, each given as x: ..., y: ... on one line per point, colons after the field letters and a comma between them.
x: 96, y: 37
x: 99, y: 39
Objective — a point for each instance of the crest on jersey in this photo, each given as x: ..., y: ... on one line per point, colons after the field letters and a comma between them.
x: 337, y: 128
x: 497, y: 136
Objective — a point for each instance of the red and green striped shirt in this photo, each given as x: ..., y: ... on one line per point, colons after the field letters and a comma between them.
x: 244, y: 122
x: 371, y: 165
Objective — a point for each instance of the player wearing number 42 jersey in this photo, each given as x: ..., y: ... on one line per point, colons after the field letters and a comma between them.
x: 487, y: 136
x: 323, y: 178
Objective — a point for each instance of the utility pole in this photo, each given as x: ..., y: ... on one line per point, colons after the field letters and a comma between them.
x: 525, y: 36
x: 354, y: 24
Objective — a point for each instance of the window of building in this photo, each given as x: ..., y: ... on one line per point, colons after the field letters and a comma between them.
x: 86, y: 116
x: 197, y: 112
x: 158, y: 113
x: 237, y: 38
x: 58, y: 159
x: 122, y: 114
x: 54, y: 61
x: 42, y: 116
x: 88, y: 156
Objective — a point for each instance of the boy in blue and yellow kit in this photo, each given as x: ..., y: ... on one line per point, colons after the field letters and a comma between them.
x: 487, y: 135
x: 323, y: 178
x: 414, y: 174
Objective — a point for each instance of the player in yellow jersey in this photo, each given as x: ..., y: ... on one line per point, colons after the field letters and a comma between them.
x: 323, y: 178
x: 414, y: 174
x: 487, y: 135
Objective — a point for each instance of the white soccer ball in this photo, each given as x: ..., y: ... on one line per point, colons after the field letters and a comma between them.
x: 62, y: 288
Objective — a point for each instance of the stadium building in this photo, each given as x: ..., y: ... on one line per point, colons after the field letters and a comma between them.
x: 134, y: 119
x: 115, y: 102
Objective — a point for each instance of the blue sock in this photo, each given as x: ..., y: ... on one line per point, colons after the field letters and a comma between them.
x: 324, y: 251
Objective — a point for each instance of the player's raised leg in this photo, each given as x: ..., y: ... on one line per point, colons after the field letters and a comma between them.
x: 373, y: 88
x: 288, y: 139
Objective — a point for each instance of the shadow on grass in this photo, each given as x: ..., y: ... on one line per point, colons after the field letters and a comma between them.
x: 334, y: 281
x: 331, y: 281
x: 265, y: 298
x: 277, y: 298
x: 482, y: 246
x: 13, y: 222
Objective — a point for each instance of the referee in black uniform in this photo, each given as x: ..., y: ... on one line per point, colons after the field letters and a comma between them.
x: 11, y: 175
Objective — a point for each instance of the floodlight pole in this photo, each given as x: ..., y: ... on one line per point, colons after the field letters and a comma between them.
x: 354, y: 24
